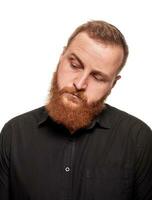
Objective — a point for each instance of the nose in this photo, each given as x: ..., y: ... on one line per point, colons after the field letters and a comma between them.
x: 80, y: 83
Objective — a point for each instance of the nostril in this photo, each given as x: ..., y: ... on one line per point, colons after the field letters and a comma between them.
x: 76, y: 87
x: 79, y: 87
x: 80, y: 83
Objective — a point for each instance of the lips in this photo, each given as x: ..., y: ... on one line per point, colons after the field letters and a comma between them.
x: 75, y: 96
x: 72, y: 97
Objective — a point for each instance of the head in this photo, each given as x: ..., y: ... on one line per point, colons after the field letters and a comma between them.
x: 105, y: 33
x: 88, y: 69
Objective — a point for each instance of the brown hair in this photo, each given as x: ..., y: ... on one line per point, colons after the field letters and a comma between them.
x: 105, y: 33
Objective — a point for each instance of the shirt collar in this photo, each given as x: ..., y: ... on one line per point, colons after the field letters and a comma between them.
x: 102, y: 119
x: 43, y: 117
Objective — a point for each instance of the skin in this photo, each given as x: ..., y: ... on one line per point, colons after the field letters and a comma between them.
x: 89, y: 66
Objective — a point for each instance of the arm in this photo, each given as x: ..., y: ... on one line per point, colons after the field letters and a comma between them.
x: 4, y: 162
x: 143, y: 165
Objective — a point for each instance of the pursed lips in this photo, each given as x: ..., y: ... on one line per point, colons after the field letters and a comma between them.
x: 73, y: 96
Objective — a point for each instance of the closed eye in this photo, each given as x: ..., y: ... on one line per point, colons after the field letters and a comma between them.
x: 75, y: 66
x: 98, y: 77
x: 74, y: 63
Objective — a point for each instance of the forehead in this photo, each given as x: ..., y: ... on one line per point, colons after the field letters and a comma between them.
x: 83, y: 42
x: 96, y: 54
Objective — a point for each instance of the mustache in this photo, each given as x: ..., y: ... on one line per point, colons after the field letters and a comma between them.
x: 73, y: 91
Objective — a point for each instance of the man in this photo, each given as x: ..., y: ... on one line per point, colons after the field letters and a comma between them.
x: 77, y: 147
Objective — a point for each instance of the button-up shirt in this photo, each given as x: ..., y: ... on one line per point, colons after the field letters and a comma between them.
x: 109, y: 160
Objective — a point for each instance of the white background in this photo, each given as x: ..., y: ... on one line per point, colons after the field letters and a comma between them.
x: 33, y: 33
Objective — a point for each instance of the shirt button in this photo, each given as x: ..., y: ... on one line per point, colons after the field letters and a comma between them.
x: 67, y: 169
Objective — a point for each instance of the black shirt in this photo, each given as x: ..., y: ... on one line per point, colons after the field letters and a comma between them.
x: 109, y: 160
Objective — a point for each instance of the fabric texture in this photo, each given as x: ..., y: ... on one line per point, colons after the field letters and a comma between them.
x: 111, y: 159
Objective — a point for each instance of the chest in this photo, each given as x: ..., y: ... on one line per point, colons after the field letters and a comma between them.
x: 91, y: 168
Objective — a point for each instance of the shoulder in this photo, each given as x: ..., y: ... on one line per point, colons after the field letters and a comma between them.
x: 129, y: 125
x: 22, y: 120
x: 117, y: 115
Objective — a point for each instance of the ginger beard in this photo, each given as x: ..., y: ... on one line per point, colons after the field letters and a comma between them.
x: 69, y: 107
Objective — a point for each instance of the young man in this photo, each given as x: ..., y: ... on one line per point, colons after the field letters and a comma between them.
x: 77, y: 147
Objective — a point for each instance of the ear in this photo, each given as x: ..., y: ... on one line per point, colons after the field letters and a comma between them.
x: 116, y: 79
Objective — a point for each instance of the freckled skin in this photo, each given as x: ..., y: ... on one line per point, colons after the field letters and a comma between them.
x: 81, y: 63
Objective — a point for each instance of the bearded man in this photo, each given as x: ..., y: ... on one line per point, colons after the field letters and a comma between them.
x: 77, y: 147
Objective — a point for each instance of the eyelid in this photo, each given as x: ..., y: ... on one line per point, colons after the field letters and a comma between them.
x: 75, y: 66
x: 74, y: 62
x: 98, y: 77
x: 81, y: 65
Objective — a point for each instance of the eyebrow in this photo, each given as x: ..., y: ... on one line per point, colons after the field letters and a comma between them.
x: 94, y: 71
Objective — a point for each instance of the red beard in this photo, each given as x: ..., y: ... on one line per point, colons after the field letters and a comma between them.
x: 72, y: 117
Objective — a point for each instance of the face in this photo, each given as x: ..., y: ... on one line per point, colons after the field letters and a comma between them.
x: 85, y: 75
x: 90, y: 67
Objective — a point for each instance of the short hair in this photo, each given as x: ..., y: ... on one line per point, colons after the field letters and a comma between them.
x: 105, y: 33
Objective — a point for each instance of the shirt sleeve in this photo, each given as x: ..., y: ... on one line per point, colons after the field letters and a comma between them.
x: 4, y: 162
x: 143, y: 165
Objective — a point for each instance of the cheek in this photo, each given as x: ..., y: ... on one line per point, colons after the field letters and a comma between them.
x: 64, y: 78
x: 95, y: 92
